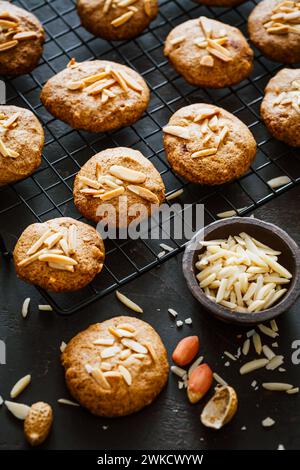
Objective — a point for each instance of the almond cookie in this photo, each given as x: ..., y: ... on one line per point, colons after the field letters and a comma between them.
x: 116, y: 19
x: 59, y: 255
x: 96, y: 96
x: 209, y: 53
x: 118, y: 176
x: 208, y: 145
x: 21, y: 143
x: 280, y: 108
x: 274, y: 28
x: 116, y: 367
x: 21, y: 40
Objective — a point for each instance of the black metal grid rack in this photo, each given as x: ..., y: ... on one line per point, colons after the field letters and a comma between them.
x: 48, y: 193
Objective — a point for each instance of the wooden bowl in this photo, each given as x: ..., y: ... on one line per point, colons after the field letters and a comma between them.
x: 266, y: 233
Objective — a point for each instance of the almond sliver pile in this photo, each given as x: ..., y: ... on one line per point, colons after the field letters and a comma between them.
x: 242, y: 273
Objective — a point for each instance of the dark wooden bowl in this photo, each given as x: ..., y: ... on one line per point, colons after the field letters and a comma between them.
x: 266, y: 233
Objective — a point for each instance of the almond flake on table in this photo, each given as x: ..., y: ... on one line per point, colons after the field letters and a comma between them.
x: 174, y: 195
x: 188, y: 321
x: 62, y: 346
x: 20, y: 386
x: 25, y: 307
x: 173, y: 312
x: 268, y: 422
x: 166, y: 247
x: 1, y: 400
x: 66, y: 401
x: 219, y: 379
x: 128, y: 303
x: 179, y: 323
x: 19, y: 410
x: 278, y: 182
x: 45, y: 308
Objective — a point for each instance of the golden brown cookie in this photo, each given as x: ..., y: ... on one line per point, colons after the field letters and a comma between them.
x: 21, y: 40
x: 116, y: 19
x: 280, y: 108
x: 96, y: 96
x: 59, y: 255
x: 274, y: 28
x: 116, y: 367
x: 220, y: 3
x: 208, y: 145
x: 118, y: 176
x: 209, y: 53
x: 21, y: 143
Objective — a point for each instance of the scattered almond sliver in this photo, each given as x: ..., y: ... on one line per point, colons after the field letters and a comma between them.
x: 20, y: 386
x: 19, y: 410
x: 279, y: 181
x: 128, y: 303
x: 25, y: 307
x: 65, y: 401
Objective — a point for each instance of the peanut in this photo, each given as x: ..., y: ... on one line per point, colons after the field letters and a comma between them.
x: 199, y: 383
x: 186, y: 350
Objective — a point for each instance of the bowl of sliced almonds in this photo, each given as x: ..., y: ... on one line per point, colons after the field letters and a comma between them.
x: 243, y: 270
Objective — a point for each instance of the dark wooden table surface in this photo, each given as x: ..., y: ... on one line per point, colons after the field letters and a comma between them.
x: 171, y: 422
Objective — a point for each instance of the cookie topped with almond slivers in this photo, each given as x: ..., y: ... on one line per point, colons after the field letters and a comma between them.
x: 117, y: 19
x: 280, y: 108
x: 96, y: 96
x: 118, y: 176
x: 21, y: 40
x: 274, y: 28
x: 208, y: 145
x: 116, y: 367
x: 209, y: 53
x: 59, y: 255
x: 21, y: 143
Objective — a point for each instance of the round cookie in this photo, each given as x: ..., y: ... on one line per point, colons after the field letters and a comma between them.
x: 208, y: 145
x: 104, y: 380
x: 280, y: 108
x: 96, y: 96
x: 59, y: 255
x: 21, y: 143
x: 116, y: 20
x: 114, y: 176
x: 209, y: 53
x: 274, y: 30
x: 220, y: 3
x: 21, y: 40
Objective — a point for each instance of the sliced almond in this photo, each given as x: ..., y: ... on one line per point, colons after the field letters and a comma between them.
x: 119, y: 333
x: 25, y: 35
x: 72, y: 239
x: 128, y: 327
x: 75, y: 85
x: 6, y: 24
x: 219, y: 54
x: 8, y: 45
x: 106, y: 366
x: 89, y: 182
x: 91, y: 191
x: 125, y: 374
x: 3, y: 149
x: 19, y: 410
x: 177, y: 131
x: 9, y: 122
x: 119, y: 78
x: 148, y: 7
x: 128, y: 303
x: 65, y: 401
x: 110, y: 352
x: 151, y: 351
x: 97, y: 88
x: 177, y: 40
x: 144, y: 193
x: 127, y: 174
x: 107, y: 5
x: 61, y: 267
x: 122, y: 19
x: 207, y: 61
x: 131, y: 82
x: 112, y: 194
x: 218, y: 47
x: 205, y: 26
x: 205, y: 152
x: 134, y: 345
x: 204, y: 114
x: 125, y: 354
x: 94, y: 78
x: 37, y: 245
x: 112, y: 374
x: 20, y: 386
x: 61, y: 259
x: 30, y: 259
x: 52, y: 240
x: 99, y: 377
x: 104, y: 341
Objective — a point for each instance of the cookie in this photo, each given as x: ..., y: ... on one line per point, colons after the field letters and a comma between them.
x: 208, y: 145
x: 116, y: 367
x: 96, y: 96
x: 280, y: 108
x: 220, y: 3
x: 116, y: 20
x: 274, y: 28
x: 209, y: 53
x: 59, y: 255
x: 118, y: 176
x: 21, y: 143
x: 21, y: 40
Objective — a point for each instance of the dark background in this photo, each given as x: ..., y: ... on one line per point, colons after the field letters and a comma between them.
x: 170, y: 422
x: 33, y: 344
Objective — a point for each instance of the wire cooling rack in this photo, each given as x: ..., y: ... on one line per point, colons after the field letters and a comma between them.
x: 48, y: 193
